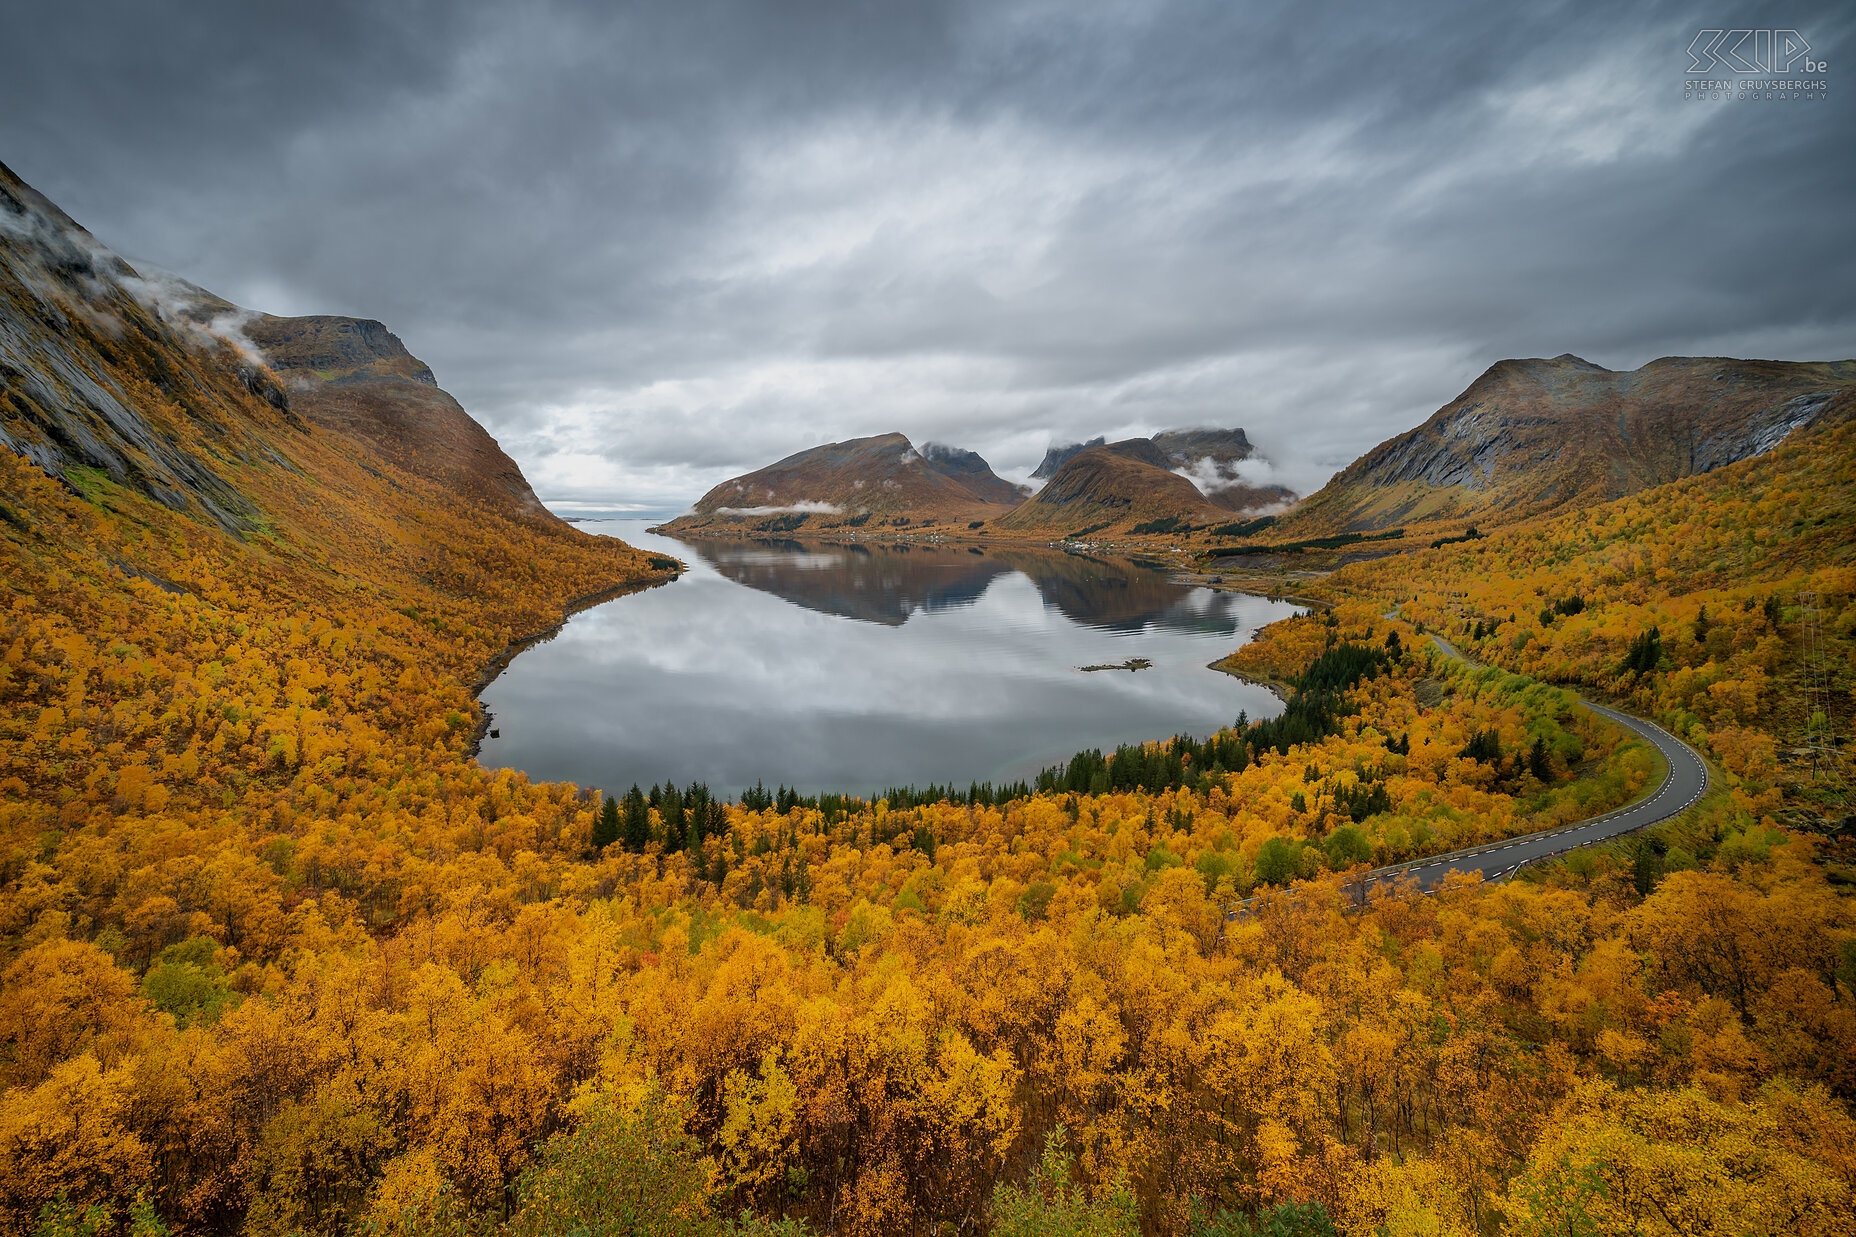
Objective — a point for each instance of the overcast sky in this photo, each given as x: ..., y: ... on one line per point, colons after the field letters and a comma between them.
x: 656, y: 246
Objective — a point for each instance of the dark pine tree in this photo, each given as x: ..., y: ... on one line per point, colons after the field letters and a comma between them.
x: 606, y: 826
x: 1484, y: 745
x: 674, y: 820
x: 1645, y: 652
x: 1537, y: 762
x: 637, y: 821
x: 1643, y: 872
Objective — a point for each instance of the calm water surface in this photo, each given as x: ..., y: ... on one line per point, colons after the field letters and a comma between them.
x: 858, y: 667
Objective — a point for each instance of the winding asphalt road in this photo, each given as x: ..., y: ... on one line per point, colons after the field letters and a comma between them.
x: 1686, y: 781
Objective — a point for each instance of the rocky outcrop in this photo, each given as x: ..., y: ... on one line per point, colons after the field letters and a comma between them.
x: 1761, y: 432
x: 1184, y: 447
x: 1208, y: 458
x: 1056, y: 457
x: 974, y: 472
x: 1530, y: 437
x: 144, y: 380
x: 1213, y: 459
x: 87, y: 345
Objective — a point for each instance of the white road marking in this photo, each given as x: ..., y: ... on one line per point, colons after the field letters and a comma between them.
x: 1581, y: 828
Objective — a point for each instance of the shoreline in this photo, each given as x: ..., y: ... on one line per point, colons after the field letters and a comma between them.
x: 1274, y: 687
x: 493, y: 669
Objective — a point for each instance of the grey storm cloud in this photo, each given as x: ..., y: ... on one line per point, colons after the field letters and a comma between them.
x: 651, y: 246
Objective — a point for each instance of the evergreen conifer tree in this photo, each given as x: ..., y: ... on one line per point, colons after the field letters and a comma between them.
x: 674, y: 820
x: 1537, y: 762
x: 637, y: 821
x: 606, y: 826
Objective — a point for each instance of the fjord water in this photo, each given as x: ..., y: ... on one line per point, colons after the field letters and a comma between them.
x: 834, y: 667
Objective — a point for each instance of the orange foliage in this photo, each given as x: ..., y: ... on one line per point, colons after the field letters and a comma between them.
x: 279, y: 955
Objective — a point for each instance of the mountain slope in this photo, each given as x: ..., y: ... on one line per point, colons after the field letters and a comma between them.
x: 243, y: 633
x: 93, y: 381
x: 94, y: 355
x: 1056, y: 456
x: 972, y: 471
x: 1533, y: 437
x: 882, y: 479
x: 1210, y: 458
x: 354, y: 376
x: 1112, y: 487
x: 1708, y: 578
x: 142, y: 394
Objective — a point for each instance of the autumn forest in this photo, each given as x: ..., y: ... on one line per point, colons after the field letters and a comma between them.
x: 278, y: 956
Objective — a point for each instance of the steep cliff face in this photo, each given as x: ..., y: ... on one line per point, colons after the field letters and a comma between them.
x: 101, y: 375
x: 1531, y: 437
x: 1056, y: 456
x: 164, y: 388
x: 341, y: 351
x: 882, y: 479
x: 1184, y: 447
x: 1215, y: 460
x: 972, y: 471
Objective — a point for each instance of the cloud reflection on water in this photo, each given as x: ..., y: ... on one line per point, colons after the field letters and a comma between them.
x: 858, y: 667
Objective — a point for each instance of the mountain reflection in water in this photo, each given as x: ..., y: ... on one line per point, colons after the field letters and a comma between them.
x: 834, y: 667
x: 879, y: 583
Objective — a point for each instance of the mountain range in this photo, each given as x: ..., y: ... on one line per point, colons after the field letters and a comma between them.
x: 1530, y: 438
x: 155, y: 384
x: 885, y: 482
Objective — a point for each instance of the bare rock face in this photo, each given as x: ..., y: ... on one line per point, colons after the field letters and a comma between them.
x: 1214, y: 460
x: 163, y: 388
x: 972, y: 471
x: 1184, y: 447
x: 338, y: 350
x: 1531, y: 437
x: 1056, y: 457
x: 87, y: 346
